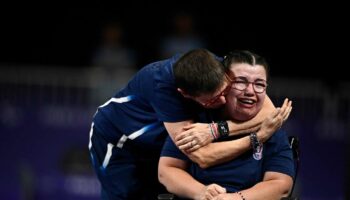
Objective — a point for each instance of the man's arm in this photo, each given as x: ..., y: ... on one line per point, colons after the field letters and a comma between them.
x: 220, y: 152
x: 173, y: 175
x: 176, y: 128
x: 216, y: 153
x: 201, y: 134
x: 274, y: 186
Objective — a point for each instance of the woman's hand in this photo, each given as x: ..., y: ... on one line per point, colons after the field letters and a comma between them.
x: 211, y: 191
x: 274, y: 121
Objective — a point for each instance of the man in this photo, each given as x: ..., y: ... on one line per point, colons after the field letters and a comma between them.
x: 264, y: 172
x: 129, y: 130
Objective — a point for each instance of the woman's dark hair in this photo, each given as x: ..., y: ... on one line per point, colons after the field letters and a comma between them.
x: 239, y: 56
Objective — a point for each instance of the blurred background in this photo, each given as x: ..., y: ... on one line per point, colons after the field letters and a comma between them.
x: 59, y: 62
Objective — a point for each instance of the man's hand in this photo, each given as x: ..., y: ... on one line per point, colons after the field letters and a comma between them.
x: 211, y: 191
x: 194, y: 137
x: 274, y: 121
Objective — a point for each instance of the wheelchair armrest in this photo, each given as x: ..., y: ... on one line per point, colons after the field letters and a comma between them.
x: 166, y: 196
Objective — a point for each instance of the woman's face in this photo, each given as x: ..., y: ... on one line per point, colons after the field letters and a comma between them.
x: 248, y: 91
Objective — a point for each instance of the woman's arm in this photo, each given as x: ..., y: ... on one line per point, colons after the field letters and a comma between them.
x: 273, y: 187
x: 172, y: 174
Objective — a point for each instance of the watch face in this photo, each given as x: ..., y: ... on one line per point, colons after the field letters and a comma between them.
x: 223, y: 128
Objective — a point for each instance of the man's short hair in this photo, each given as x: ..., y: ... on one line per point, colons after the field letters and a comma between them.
x: 199, y: 72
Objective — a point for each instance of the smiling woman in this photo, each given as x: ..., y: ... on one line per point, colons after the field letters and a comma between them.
x: 244, y: 102
x: 265, y: 171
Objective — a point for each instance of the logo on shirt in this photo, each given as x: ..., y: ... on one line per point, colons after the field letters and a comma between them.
x: 257, y: 154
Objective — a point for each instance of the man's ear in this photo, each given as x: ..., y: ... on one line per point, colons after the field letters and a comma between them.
x: 183, y: 93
